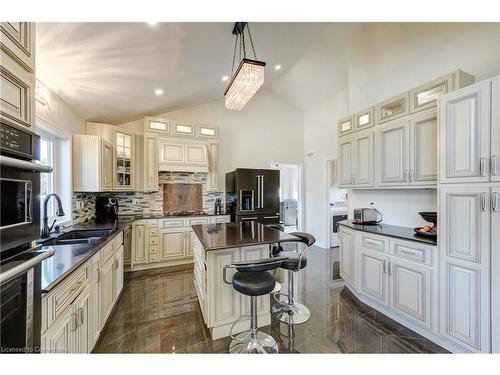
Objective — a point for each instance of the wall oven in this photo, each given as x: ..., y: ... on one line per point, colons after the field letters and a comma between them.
x: 20, y: 279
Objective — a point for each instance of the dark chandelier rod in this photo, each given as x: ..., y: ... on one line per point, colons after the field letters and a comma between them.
x: 239, y: 32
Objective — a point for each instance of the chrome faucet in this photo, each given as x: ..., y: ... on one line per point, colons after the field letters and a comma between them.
x: 45, y: 232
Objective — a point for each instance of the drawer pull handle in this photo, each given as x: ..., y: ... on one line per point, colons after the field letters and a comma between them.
x: 372, y: 242
x: 80, y: 316
x: 409, y: 252
x: 74, y: 323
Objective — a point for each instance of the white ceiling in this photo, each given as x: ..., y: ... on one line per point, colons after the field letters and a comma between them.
x: 108, y: 71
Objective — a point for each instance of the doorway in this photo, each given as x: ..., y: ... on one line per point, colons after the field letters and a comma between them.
x: 290, y: 195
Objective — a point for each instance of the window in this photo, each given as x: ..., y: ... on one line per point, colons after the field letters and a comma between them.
x: 55, y: 150
x: 46, y: 179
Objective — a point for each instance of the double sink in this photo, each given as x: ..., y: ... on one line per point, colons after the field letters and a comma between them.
x: 82, y: 236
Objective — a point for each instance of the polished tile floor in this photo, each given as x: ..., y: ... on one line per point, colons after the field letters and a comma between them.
x: 160, y: 314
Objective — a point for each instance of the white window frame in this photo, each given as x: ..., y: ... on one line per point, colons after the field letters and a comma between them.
x: 61, y: 174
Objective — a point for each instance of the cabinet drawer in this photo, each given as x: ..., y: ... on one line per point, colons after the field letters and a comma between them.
x: 374, y: 242
x: 153, y: 232
x: 152, y: 223
x: 154, y: 257
x: 172, y: 223
x: 196, y: 221
x: 106, y: 252
x: 153, y: 240
x: 63, y: 295
x: 412, y: 251
x: 222, y: 220
x: 153, y: 249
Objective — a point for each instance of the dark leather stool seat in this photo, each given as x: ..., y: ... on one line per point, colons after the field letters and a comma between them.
x: 306, y: 238
x: 254, y: 283
x: 292, y: 264
x: 279, y: 227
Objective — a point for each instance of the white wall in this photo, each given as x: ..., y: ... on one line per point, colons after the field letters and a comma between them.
x: 383, y: 60
x: 267, y: 130
x: 59, y: 115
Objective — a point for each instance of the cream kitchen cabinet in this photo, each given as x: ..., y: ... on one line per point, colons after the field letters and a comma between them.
x: 393, y: 108
x: 107, y: 292
x: 346, y: 125
x: 172, y: 244
x: 393, y: 154
x: 17, y: 94
x: 60, y: 337
x: 346, y: 164
x: 139, y: 247
x: 181, y: 156
x: 364, y: 119
x: 150, y: 162
x: 347, y: 255
x: 373, y: 275
x: 213, y: 166
x: 427, y: 95
x: 407, y: 151
x: 465, y: 130
x: 82, y: 311
x: 18, y: 40
x: 95, y: 291
x: 92, y: 163
x: 495, y: 267
x: 357, y: 168
x: 495, y: 129
x: 466, y: 214
x: 118, y: 272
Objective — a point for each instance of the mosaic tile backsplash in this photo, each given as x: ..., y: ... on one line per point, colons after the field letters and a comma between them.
x: 149, y: 203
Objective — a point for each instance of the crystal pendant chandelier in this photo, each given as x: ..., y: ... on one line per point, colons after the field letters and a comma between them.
x: 249, y: 76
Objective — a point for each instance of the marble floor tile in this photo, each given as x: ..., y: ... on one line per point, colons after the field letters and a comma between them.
x: 159, y: 313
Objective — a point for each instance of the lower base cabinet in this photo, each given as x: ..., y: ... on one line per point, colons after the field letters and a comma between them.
x: 87, y: 298
x: 397, y: 277
x: 166, y: 242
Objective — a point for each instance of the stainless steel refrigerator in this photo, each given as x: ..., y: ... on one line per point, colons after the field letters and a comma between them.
x: 254, y: 195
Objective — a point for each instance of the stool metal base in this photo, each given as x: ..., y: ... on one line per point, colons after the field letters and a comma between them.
x: 290, y: 314
x: 245, y: 344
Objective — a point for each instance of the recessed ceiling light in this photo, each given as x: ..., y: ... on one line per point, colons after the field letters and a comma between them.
x: 277, y: 67
x: 225, y: 78
x: 152, y: 23
x: 159, y: 92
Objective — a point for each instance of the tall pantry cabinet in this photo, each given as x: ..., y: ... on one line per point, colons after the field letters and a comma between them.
x: 469, y: 222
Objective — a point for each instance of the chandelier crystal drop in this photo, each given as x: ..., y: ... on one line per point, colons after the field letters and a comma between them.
x: 249, y: 76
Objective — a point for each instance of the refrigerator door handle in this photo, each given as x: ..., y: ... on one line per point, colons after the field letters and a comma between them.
x: 261, y: 191
x: 258, y: 191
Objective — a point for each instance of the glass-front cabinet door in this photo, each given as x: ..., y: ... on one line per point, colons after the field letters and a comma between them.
x: 124, y: 162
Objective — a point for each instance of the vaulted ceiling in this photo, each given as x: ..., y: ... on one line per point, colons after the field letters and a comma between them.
x: 109, y: 71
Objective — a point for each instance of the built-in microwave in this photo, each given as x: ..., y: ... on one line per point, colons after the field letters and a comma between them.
x: 16, y: 202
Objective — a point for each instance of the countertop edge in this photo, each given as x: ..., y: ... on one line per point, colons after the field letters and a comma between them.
x: 422, y: 240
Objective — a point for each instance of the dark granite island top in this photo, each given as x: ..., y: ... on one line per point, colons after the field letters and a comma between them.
x: 394, y: 231
x: 228, y: 235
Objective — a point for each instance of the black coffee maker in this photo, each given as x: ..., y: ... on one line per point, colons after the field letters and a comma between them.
x: 106, y: 209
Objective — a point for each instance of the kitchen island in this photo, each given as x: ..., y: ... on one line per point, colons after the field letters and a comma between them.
x: 217, y: 245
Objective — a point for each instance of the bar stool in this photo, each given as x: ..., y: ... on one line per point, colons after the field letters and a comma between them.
x: 253, y: 279
x: 286, y: 309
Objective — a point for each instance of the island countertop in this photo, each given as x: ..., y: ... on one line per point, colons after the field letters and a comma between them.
x: 228, y: 235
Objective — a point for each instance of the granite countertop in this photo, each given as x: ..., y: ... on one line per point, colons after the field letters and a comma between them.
x: 68, y: 258
x: 228, y: 235
x: 162, y: 216
x: 403, y: 233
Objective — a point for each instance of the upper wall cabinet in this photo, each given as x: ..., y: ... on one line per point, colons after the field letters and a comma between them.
x: 92, y: 163
x: 495, y: 130
x: 426, y: 96
x: 18, y: 40
x: 17, y: 77
x: 206, y: 131
x: 183, y: 129
x: 393, y: 108
x: 154, y: 124
x: 346, y: 125
x: 465, y: 128
x: 364, y: 119
x: 123, y: 143
x: 178, y: 156
x: 356, y: 167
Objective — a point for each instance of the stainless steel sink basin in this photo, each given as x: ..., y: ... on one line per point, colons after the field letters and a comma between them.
x: 79, y: 236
